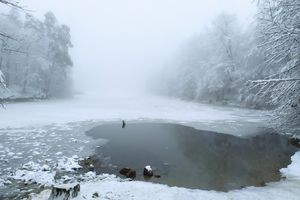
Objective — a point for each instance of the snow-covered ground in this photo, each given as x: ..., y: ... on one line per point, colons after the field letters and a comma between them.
x: 46, y: 135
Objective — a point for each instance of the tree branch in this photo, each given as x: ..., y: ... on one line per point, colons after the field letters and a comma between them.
x: 14, y: 51
x: 7, y: 36
x: 275, y: 80
x: 12, y: 3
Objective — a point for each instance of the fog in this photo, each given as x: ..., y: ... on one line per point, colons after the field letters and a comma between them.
x: 102, y: 98
x: 119, y: 44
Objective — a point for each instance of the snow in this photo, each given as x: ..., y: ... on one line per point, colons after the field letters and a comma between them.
x: 148, y: 168
x: 293, y: 170
x: 90, y: 175
x: 68, y: 164
x: 39, y: 177
x: 108, y: 108
x: 110, y: 187
x: 34, y: 173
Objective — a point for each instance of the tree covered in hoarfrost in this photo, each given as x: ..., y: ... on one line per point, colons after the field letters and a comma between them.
x: 224, y: 61
x: 279, y: 27
x: 258, y: 67
x: 215, y: 63
x: 34, y: 57
x: 59, y: 42
x: 3, y: 36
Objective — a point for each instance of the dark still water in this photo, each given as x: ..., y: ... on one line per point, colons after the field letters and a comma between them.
x: 186, y: 157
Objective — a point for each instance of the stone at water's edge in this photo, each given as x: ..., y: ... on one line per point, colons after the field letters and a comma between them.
x: 124, y: 171
x: 129, y: 173
x: 148, y: 172
x: 64, y: 192
x: 295, y: 142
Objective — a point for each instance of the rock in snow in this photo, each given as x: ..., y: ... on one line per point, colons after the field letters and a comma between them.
x: 129, y: 173
x: 148, y: 172
x: 65, y: 192
x: 295, y: 142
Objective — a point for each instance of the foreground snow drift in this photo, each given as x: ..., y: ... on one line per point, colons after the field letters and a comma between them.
x: 110, y: 187
x: 44, y: 174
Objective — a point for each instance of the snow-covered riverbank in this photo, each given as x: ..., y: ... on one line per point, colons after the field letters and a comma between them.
x: 112, y: 188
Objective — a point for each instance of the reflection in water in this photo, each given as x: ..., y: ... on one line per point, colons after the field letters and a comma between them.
x: 191, y: 158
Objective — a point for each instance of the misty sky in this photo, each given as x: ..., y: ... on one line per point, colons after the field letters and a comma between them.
x: 130, y: 38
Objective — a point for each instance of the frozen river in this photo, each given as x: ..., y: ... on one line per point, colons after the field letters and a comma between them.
x: 112, y: 108
x: 40, y: 138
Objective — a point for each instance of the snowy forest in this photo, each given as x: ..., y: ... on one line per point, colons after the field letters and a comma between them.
x: 257, y: 66
x: 34, y: 57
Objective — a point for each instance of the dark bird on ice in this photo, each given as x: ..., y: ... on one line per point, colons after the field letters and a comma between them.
x: 123, y: 124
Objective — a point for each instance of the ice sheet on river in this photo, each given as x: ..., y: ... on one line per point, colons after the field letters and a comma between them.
x: 83, y: 108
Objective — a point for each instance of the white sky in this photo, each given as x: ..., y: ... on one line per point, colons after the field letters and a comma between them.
x: 117, y: 43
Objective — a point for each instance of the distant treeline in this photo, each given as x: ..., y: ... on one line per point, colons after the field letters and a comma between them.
x: 258, y: 67
x: 34, y: 57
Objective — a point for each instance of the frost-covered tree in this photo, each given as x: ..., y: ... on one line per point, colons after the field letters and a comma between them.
x: 279, y: 27
x: 34, y: 58
x: 258, y: 67
x: 58, y: 52
x: 210, y: 66
x: 225, y: 39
